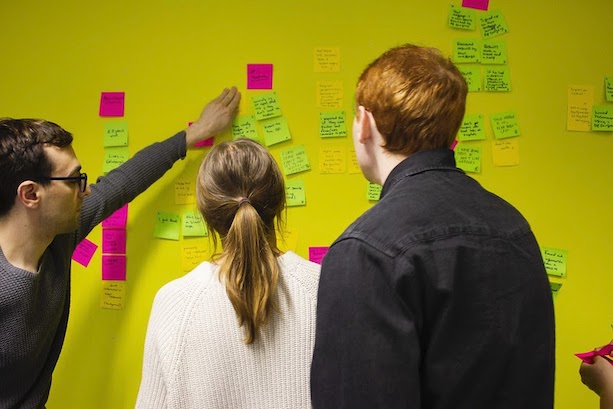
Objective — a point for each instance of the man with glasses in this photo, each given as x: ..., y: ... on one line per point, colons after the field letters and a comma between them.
x: 46, y: 209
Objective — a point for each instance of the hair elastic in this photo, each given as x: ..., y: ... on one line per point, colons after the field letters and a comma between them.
x: 243, y: 200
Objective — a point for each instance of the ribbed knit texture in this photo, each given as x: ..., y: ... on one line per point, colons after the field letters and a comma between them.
x: 195, y: 356
x: 34, y: 307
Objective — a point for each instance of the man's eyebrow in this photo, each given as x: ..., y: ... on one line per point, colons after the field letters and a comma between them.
x: 76, y: 169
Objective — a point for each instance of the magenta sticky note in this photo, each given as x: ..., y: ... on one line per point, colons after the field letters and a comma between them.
x: 588, y: 357
x: 84, y: 252
x: 112, y: 103
x: 476, y: 4
x: 259, y: 76
x: 114, y: 268
x: 206, y: 142
x: 113, y: 241
x: 453, y: 145
x: 117, y: 220
x: 316, y: 254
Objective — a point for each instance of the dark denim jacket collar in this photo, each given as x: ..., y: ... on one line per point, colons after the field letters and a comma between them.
x: 435, y: 159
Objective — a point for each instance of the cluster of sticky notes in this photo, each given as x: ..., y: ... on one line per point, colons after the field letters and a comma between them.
x: 169, y: 225
x: 114, y: 252
x: 268, y: 112
x: 583, y: 115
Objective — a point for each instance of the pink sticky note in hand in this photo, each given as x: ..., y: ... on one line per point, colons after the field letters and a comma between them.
x: 84, y: 252
x: 476, y: 4
x: 588, y: 357
x: 113, y: 241
x: 114, y: 268
x: 259, y: 76
x: 112, y: 103
x: 205, y: 142
x: 117, y: 220
x: 316, y: 254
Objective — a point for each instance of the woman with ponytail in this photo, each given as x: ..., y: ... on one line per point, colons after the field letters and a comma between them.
x: 238, y: 331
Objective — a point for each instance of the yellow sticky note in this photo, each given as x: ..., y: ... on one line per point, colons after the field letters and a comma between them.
x: 580, y: 103
x: 468, y: 158
x: 467, y: 50
x: 193, y: 252
x: 167, y: 226
x: 266, y: 106
x: 193, y: 224
x: 295, y: 160
x: 185, y: 192
x: 373, y: 192
x: 555, y: 261
x: 353, y: 166
x: 114, y: 157
x: 327, y: 59
x: 332, y: 159
x: 294, y: 193
x: 472, y: 128
x: 275, y: 131
x: 330, y: 94
x: 505, y: 152
x: 332, y: 124
x: 497, y: 79
x: 472, y: 75
x: 113, y: 294
x: 244, y: 126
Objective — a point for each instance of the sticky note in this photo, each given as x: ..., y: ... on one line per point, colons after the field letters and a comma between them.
x: 295, y: 194
x: 113, y: 241
x: 373, y: 192
x: 118, y: 219
x: 467, y: 51
x: 259, y: 76
x: 295, y: 160
x: 244, y: 126
x: 504, y: 124
x: 332, y: 159
x: 468, y: 158
x: 266, y: 106
x: 580, y: 103
x: 112, y: 103
x: 275, y: 131
x: 114, y: 157
x: 193, y: 252
x: 116, y: 134
x: 330, y: 94
x: 167, y: 226
x: 205, y: 142
x: 113, y: 295
x: 608, y: 88
x: 316, y: 254
x: 185, y: 192
x: 472, y: 75
x: 505, y: 152
x: 602, y: 118
x: 332, y: 124
x: 472, y: 128
x: 555, y: 289
x: 353, y: 166
x: 114, y: 267
x: 555, y: 261
x: 497, y: 79
x: 193, y: 224
x: 461, y: 18
x: 492, y: 24
x: 84, y: 252
x: 326, y: 59
x: 494, y: 52
x: 476, y: 4
x: 453, y: 145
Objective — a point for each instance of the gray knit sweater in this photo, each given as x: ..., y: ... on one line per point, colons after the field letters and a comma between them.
x: 34, y: 307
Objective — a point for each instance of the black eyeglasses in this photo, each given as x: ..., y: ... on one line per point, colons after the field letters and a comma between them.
x: 81, y: 179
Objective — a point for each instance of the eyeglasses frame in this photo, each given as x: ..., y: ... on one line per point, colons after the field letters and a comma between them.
x: 82, y: 179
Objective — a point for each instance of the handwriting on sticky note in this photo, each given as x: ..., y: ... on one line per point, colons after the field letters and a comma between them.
x: 494, y: 52
x: 332, y: 159
x: 476, y: 4
x: 504, y: 124
x: 602, y: 118
x: 472, y: 75
x: 373, y: 192
x: 461, y: 18
x: 326, y: 59
x: 113, y: 241
x: 505, y: 152
x: 580, y: 103
x: 84, y: 252
x: 330, y: 94
x: 259, y: 76
x: 492, y: 24
x: 193, y: 252
x: 114, y: 157
x: 244, y: 126
x: 113, y: 267
x: 116, y: 134
x: 275, y: 131
x: 555, y: 261
x: 316, y: 254
x: 497, y: 79
x: 294, y: 193
x: 193, y: 224
x: 472, y: 128
x: 332, y: 124
x: 266, y: 106
x: 112, y: 103
x: 608, y: 88
x: 167, y: 226
x: 295, y: 160
x: 185, y: 192
x: 468, y: 158
x: 467, y: 50
x: 118, y: 219
x: 113, y: 295
x: 353, y: 167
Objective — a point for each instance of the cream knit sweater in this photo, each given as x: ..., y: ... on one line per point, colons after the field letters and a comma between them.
x: 195, y: 356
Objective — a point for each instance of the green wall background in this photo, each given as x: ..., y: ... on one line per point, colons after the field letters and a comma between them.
x: 170, y: 57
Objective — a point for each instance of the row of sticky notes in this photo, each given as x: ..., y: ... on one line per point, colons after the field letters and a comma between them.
x: 504, y: 125
x: 505, y: 152
x: 583, y: 115
x: 168, y: 225
x: 494, y: 79
x: 475, y: 50
x: 491, y: 23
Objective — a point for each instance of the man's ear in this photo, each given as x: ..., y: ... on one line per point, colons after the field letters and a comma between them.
x: 29, y: 194
x: 366, y: 122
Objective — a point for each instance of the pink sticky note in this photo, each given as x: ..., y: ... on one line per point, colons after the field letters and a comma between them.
x: 84, y: 252
x: 476, y: 4
x: 588, y: 357
x: 112, y: 103
x: 453, y: 145
x: 259, y: 76
x: 316, y: 254
x: 117, y: 220
x: 205, y: 142
x: 114, y: 268
x: 113, y: 241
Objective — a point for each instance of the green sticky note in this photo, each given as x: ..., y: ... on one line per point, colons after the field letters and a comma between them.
x: 266, y: 106
x: 116, y: 134
x: 462, y: 18
x: 468, y: 158
x: 472, y: 75
x: 373, y: 192
x: 244, y: 126
x: 555, y: 288
x: 332, y: 124
x: 294, y: 193
x: 114, y: 157
x: 555, y: 261
x: 497, y: 79
x: 472, y: 128
x: 608, y: 88
x: 275, y: 131
x: 167, y: 226
x: 494, y: 52
x: 467, y: 50
x: 492, y: 24
x: 602, y: 118
x: 504, y: 125
x: 193, y: 224
x: 295, y: 160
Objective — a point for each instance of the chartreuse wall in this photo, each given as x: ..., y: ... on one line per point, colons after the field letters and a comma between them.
x: 170, y: 57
